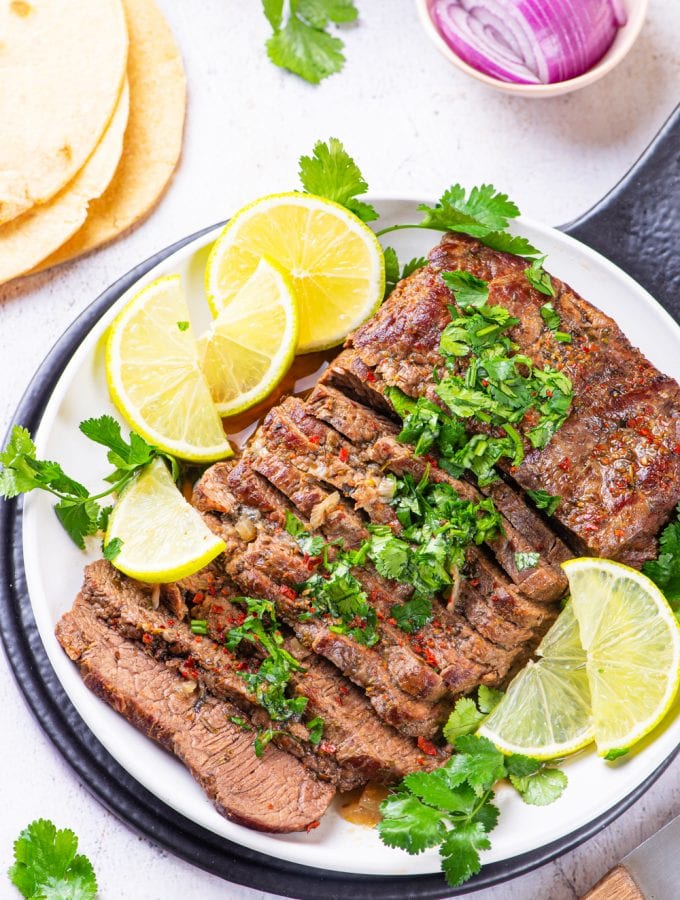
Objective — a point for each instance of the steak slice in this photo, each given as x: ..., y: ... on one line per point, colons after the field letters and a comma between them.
x: 275, y: 793
x: 615, y: 462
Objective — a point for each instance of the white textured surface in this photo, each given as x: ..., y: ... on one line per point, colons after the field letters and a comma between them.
x: 414, y: 125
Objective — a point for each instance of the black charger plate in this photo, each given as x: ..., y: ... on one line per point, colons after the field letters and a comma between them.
x: 637, y: 226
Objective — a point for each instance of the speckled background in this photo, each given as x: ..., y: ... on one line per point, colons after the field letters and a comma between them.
x: 415, y: 125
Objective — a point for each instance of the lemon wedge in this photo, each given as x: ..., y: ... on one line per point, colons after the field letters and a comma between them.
x: 155, y: 378
x: 252, y: 342
x: 163, y: 538
x: 333, y: 259
x: 546, y: 712
x: 632, y: 644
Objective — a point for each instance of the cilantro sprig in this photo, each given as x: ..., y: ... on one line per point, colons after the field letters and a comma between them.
x: 543, y: 500
x: 452, y: 807
x: 300, y: 42
x: 331, y: 172
x: 79, y: 511
x: 484, y: 213
x: 269, y: 681
x: 665, y: 569
x: 48, y: 866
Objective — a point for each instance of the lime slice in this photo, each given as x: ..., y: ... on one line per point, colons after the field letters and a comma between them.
x: 632, y: 643
x: 155, y: 378
x: 546, y: 710
x: 334, y: 261
x: 163, y: 537
x: 252, y: 342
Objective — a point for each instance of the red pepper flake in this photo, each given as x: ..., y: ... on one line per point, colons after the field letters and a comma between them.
x: 432, y: 460
x: 343, y: 455
x: 327, y: 747
x: 314, y: 439
x: 427, y: 746
x: 485, y: 383
x: 147, y: 639
x: 429, y: 657
x: 619, y: 532
x: 370, y: 377
x: 170, y: 623
x: 548, y: 393
x: 564, y: 464
x: 392, y: 620
x: 676, y: 449
x: 199, y: 597
x: 474, y: 582
x: 421, y: 760
x: 343, y: 690
x: 288, y: 592
x: 216, y: 609
x: 312, y: 826
x: 270, y: 806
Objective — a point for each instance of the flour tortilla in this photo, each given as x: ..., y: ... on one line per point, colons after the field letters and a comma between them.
x: 153, y: 141
x: 28, y: 239
x: 62, y: 65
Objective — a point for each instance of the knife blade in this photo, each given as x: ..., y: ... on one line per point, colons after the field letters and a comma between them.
x: 650, y: 872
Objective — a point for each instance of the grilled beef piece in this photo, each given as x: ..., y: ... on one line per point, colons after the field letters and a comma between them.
x: 275, y: 793
x: 376, y: 437
x: 271, y: 565
x: 614, y: 463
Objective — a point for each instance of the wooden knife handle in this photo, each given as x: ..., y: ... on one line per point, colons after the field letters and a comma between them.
x: 616, y: 885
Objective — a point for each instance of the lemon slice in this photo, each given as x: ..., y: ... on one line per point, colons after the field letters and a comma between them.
x: 632, y: 643
x: 334, y: 260
x: 252, y: 342
x: 546, y: 711
x: 154, y: 375
x: 163, y: 537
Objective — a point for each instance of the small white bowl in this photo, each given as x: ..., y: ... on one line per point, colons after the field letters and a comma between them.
x: 624, y: 40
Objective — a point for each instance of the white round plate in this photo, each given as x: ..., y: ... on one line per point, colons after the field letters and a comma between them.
x: 54, y: 571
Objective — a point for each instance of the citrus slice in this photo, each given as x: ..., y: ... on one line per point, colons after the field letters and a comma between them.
x: 546, y: 710
x: 252, y: 342
x: 163, y: 538
x: 333, y: 259
x: 155, y: 378
x: 632, y: 643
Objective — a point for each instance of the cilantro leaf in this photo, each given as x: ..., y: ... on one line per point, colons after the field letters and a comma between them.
x: 112, y: 549
x: 332, y: 173
x: 541, y: 788
x: 665, y: 570
x: 48, y: 866
x: 391, y: 270
x: 183, y: 325
x: 418, y: 262
x: 538, y: 278
x: 468, y: 290
x: 310, y: 544
x: 442, y: 788
x: 302, y: 45
x: 528, y: 560
x: 488, y: 698
x: 550, y: 317
x: 482, y: 762
x: 464, y: 719
x: 483, y: 211
x: 509, y: 243
x: 410, y: 824
x: 413, y: 615
x: 315, y: 728
x: 79, y: 518
x: 544, y: 500
x: 460, y: 852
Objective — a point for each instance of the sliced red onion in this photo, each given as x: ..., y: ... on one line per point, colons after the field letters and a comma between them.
x: 529, y: 41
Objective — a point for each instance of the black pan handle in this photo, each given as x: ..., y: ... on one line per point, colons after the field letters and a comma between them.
x: 637, y: 224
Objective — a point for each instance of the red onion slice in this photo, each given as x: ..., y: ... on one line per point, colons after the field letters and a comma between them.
x: 529, y: 41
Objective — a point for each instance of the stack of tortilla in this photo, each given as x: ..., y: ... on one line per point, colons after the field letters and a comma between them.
x: 92, y: 103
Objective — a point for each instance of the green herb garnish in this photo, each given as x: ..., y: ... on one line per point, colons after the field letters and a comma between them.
x: 315, y: 728
x: 48, y: 866
x: 552, y: 321
x: 665, y: 569
x: 199, y: 626
x: 544, y: 500
x: 301, y: 43
x: 538, y: 278
x: 77, y: 509
x: 331, y: 172
x: 311, y: 545
x: 528, y: 560
x: 452, y: 807
x: 270, y: 680
x: 183, y: 326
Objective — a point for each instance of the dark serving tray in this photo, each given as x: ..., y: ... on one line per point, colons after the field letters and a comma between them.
x: 637, y: 226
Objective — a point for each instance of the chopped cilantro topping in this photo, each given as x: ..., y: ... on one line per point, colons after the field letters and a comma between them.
x: 544, y: 500
x: 538, y: 278
x: 527, y: 560
x: 315, y: 728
